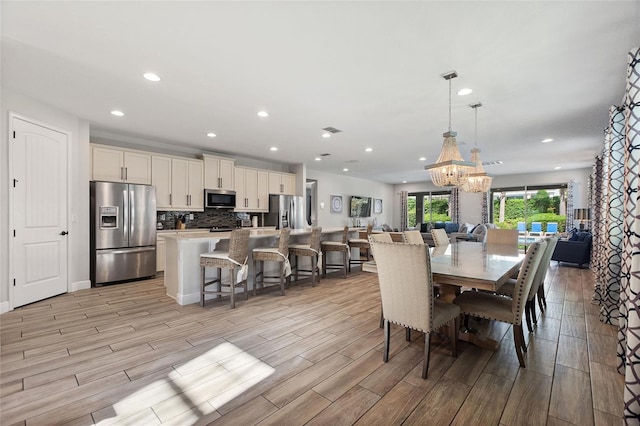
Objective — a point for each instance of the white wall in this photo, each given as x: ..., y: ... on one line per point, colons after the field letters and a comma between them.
x: 332, y: 184
x: 78, y: 190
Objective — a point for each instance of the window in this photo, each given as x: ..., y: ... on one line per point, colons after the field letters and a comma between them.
x: 529, y: 204
x: 427, y: 207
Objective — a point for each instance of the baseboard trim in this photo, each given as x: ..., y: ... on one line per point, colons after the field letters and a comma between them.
x: 80, y: 285
x: 4, y: 307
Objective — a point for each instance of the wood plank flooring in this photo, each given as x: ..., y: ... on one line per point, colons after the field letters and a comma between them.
x: 127, y: 354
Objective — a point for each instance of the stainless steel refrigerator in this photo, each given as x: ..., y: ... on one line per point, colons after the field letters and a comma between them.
x: 123, y: 231
x: 286, y: 211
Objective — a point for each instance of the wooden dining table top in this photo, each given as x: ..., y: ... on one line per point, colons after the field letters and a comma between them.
x: 476, y: 265
x: 471, y: 264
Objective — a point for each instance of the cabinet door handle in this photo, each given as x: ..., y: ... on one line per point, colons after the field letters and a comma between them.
x: 258, y: 202
x: 121, y: 173
x: 219, y: 182
x: 170, y: 199
x: 281, y: 188
x: 126, y: 173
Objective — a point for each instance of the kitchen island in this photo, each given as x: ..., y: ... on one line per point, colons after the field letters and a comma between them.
x: 182, y: 276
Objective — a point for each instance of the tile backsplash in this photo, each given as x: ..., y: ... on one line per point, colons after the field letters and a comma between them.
x: 207, y: 219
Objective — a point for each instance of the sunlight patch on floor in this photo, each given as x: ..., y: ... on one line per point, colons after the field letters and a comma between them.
x: 192, y: 389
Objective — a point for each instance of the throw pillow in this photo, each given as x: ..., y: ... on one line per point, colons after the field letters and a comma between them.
x: 424, y: 227
x: 450, y: 227
x: 574, y: 236
x: 438, y: 225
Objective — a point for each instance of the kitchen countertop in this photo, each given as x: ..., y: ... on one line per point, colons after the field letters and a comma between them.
x: 198, y: 234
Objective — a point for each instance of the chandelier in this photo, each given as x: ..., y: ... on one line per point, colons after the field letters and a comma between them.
x: 450, y: 169
x: 478, y: 180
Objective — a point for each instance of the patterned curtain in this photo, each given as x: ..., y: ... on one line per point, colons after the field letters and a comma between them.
x: 454, y: 205
x: 598, y: 258
x: 485, y: 207
x: 630, y: 270
x: 570, y: 191
x: 615, y: 189
x: 614, y: 156
x: 403, y: 210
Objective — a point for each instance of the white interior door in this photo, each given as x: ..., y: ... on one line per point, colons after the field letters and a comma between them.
x: 38, y: 212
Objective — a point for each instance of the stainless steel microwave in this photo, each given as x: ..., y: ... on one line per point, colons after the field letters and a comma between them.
x: 219, y: 199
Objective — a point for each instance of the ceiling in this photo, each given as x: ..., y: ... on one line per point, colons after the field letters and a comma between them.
x: 371, y: 69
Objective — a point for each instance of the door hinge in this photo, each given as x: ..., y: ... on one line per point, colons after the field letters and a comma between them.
x: 14, y: 282
x: 14, y: 182
x: 14, y: 134
x: 14, y: 233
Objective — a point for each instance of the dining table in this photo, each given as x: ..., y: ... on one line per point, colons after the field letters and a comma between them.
x: 470, y: 265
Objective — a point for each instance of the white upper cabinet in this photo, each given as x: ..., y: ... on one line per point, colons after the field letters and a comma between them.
x: 161, y: 179
x: 187, y: 184
x: 282, y: 183
x: 251, y: 189
x: 218, y: 172
x: 120, y: 165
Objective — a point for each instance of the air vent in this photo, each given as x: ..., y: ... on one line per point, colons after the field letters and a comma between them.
x: 331, y: 130
x: 491, y: 163
x: 326, y: 154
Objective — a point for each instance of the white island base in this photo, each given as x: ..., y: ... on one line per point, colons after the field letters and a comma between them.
x: 182, y: 275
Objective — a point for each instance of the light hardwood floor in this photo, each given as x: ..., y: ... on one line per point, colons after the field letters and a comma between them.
x: 127, y: 354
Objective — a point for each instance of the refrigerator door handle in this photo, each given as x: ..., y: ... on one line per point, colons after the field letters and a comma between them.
x: 132, y: 218
x: 126, y: 251
x: 125, y: 212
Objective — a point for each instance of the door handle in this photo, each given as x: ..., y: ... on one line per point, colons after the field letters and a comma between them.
x: 64, y: 233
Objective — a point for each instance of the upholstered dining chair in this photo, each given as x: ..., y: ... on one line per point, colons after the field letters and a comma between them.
x: 311, y: 250
x: 413, y: 237
x: 440, y: 237
x: 508, y: 288
x: 406, y: 290
x: 364, y: 249
x: 502, y: 236
x: 336, y: 246
x: 279, y: 255
x: 499, y: 308
x: 384, y: 237
x: 235, y: 258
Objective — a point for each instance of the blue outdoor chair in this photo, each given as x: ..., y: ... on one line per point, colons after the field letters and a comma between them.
x: 536, y: 229
x: 552, y: 228
x: 522, y: 228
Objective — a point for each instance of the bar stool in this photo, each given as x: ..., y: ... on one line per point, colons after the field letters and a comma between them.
x: 278, y: 254
x: 336, y: 246
x: 362, y: 244
x: 236, y: 257
x: 311, y: 250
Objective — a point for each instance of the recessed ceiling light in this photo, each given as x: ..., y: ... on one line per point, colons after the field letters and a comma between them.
x: 547, y: 140
x: 318, y: 159
x: 345, y: 170
x: 464, y: 92
x: 263, y: 114
x: 151, y: 76
x: 117, y: 113
x: 557, y: 168
x: 422, y: 159
x: 368, y: 149
x: 326, y: 135
x: 211, y: 135
x: 404, y: 181
x: 274, y: 148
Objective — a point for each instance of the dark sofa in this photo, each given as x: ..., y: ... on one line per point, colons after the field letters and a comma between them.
x: 576, y: 249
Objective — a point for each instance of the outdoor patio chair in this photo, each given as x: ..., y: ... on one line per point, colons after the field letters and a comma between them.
x: 552, y: 228
x: 536, y: 229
